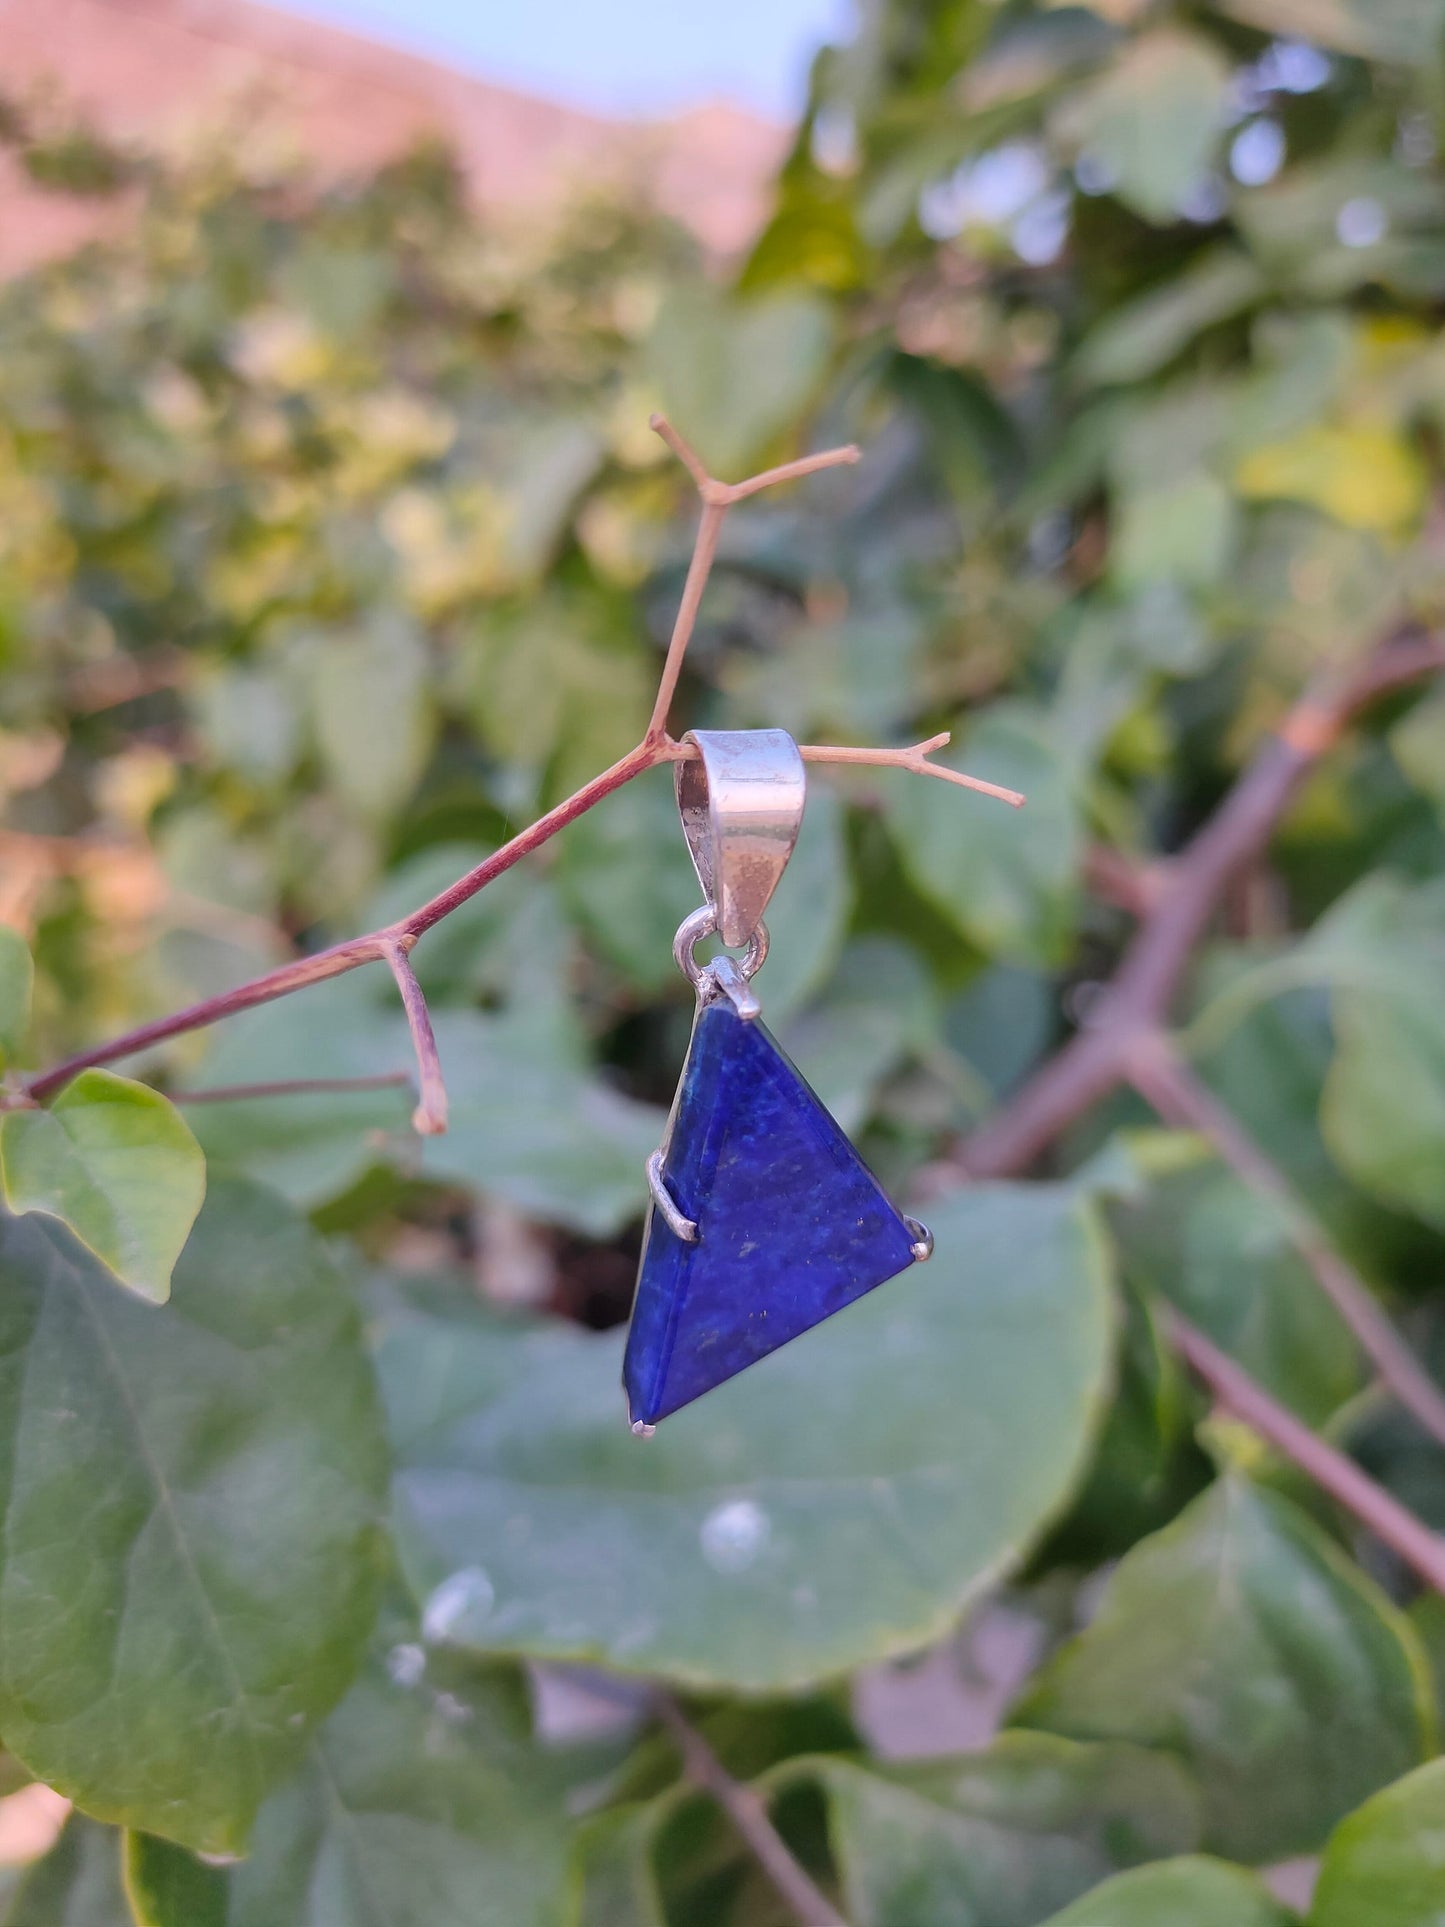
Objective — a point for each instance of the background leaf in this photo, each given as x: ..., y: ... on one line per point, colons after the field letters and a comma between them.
x: 220, y: 1464
x: 1153, y: 120
x: 421, y: 1805
x: 1007, y: 880
x: 1382, y: 1867
x: 1243, y: 1588
x: 115, y: 1162
x: 16, y: 974
x: 1192, y: 1892
x: 999, y: 1838
x: 732, y: 373
x: 77, y: 1884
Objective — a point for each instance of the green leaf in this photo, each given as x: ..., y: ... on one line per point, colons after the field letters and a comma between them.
x: 1005, y: 879
x: 220, y: 1467
x: 168, y: 1887
x: 559, y: 682
x: 1381, y: 949
x: 877, y: 1005
x: 619, y: 1887
x: 1403, y: 31
x: 116, y: 1163
x: 1383, y: 1866
x: 999, y: 1838
x: 422, y: 1805
x: 625, y: 873
x: 77, y: 1884
x: 371, y: 709
x: 1218, y: 1640
x: 309, y: 1146
x: 1227, y: 1259
x: 733, y: 373
x: 531, y: 1123
x: 17, y: 975
x: 1143, y: 335
x: 1154, y: 119
x: 841, y: 1500
x: 1192, y: 1892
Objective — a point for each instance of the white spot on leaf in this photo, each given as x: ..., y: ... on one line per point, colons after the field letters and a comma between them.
x: 463, y: 1597
x: 734, y: 1534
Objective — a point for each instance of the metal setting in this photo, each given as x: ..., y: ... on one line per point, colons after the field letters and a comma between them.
x: 725, y: 976
x: 741, y: 801
x: 922, y: 1240
x: 677, y: 1224
x: 640, y: 1430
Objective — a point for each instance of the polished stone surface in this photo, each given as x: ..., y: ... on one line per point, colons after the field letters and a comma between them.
x: 792, y: 1225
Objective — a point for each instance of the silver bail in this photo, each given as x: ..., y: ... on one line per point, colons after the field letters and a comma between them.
x: 741, y: 802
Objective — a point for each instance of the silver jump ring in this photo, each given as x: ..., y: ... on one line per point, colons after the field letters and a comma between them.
x: 703, y: 923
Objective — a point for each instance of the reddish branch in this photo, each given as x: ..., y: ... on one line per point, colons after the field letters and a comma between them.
x: 1126, y: 1042
x: 1335, y: 1474
x: 1164, y: 1080
x: 749, y: 1814
x: 1186, y: 893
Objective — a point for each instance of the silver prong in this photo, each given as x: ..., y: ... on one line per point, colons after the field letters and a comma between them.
x: 922, y: 1241
x: 676, y: 1223
x: 733, y: 985
x: 641, y: 1430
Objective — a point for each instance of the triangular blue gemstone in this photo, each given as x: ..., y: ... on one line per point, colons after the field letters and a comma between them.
x: 792, y: 1225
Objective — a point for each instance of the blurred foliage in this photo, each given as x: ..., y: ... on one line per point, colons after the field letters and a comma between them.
x: 333, y: 548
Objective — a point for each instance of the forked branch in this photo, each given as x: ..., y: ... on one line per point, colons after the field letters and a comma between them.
x: 395, y: 942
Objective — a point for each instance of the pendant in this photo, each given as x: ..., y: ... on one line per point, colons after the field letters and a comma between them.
x: 764, y: 1220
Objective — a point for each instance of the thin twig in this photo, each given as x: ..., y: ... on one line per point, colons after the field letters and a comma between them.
x: 1335, y: 1474
x: 430, y: 1115
x: 1164, y: 1080
x: 656, y: 747
x: 749, y: 1814
x: 914, y: 757
x: 294, y: 1087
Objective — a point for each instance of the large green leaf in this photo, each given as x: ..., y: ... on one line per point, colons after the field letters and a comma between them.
x: 1384, y: 1865
x: 220, y: 1469
x: 16, y: 975
x: 1192, y: 1892
x: 116, y: 1163
x: 1006, y: 880
x: 1242, y: 1641
x: 77, y: 1884
x: 840, y: 1500
x: 1154, y: 118
x: 999, y: 1838
x: 423, y: 1802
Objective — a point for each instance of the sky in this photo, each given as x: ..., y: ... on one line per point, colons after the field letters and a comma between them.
x: 614, y: 56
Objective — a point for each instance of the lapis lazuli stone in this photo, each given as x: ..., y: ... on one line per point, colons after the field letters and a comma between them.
x: 792, y: 1225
